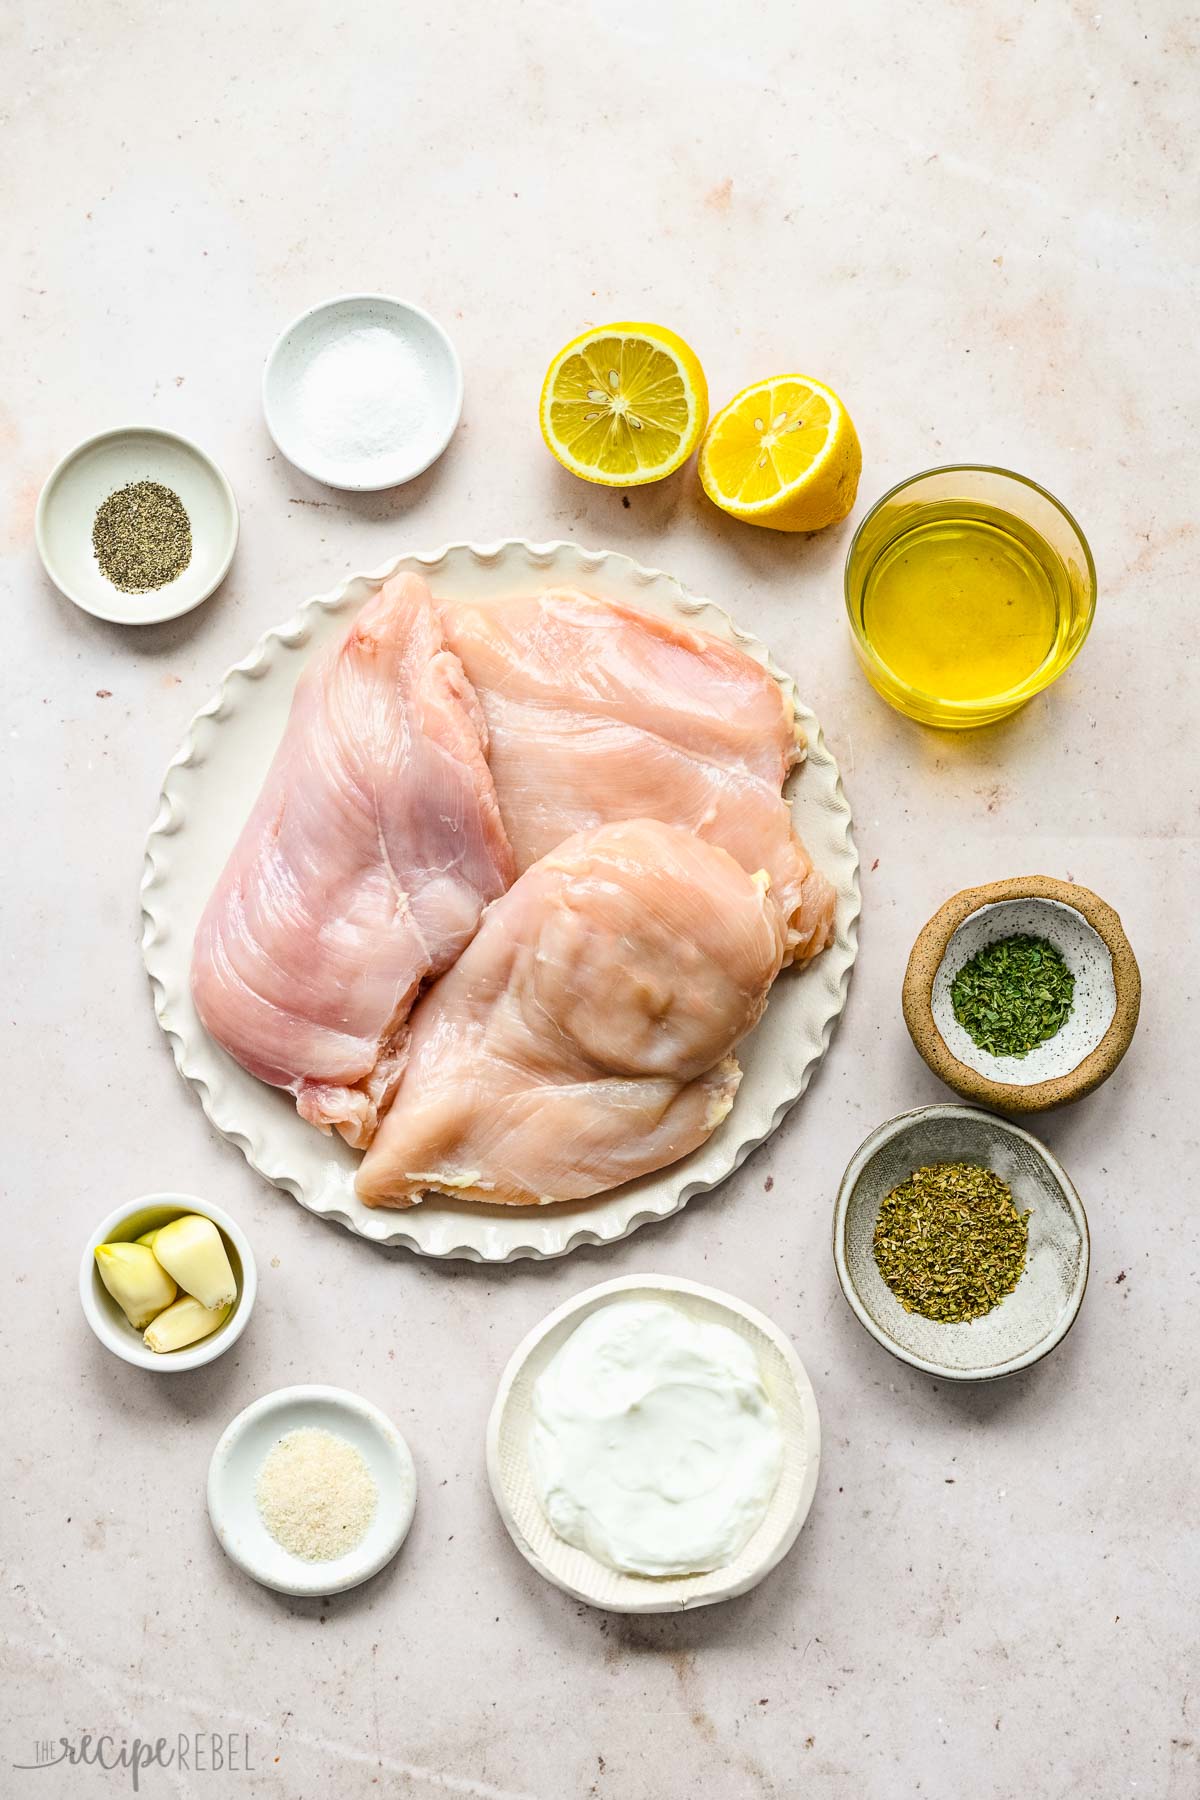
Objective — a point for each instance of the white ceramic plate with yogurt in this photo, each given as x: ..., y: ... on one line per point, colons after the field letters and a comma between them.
x: 788, y: 1388
x: 363, y: 392
x: 85, y: 477
x: 243, y: 1448
x: 209, y: 789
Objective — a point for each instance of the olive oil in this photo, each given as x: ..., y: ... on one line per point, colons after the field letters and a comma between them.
x: 965, y: 602
x: 968, y: 590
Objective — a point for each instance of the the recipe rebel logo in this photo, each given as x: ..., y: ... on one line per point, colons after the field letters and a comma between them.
x: 193, y: 1753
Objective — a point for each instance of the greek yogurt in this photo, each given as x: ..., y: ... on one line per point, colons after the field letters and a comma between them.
x: 654, y: 1447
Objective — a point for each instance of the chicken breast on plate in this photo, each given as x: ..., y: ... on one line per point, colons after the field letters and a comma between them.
x: 597, y: 712
x: 362, y: 870
x: 584, y: 1036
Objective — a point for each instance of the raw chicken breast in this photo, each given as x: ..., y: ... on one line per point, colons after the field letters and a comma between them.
x: 584, y: 1036
x: 597, y: 712
x: 362, y: 871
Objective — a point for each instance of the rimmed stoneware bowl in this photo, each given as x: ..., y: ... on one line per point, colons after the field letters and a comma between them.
x: 788, y: 1387
x: 1104, y: 1014
x: 1028, y: 1323
x: 107, y: 1320
x: 233, y: 1477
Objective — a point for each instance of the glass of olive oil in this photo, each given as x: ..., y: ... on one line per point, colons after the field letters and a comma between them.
x: 969, y: 590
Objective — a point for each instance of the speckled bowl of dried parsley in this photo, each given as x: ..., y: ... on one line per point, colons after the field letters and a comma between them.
x: 960, y: 1243
x: 136, y: 525
x: 1023, y: 994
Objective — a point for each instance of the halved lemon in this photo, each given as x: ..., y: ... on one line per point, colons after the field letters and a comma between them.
x: 783, y: 453
x: 624, y: 404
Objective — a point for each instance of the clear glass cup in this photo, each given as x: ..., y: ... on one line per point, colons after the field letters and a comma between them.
x: 928, y: 645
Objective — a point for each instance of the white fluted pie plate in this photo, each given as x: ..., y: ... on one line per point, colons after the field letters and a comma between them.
x: 208, y: 790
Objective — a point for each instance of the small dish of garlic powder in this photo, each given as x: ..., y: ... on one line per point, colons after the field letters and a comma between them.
x: 311, y: 1490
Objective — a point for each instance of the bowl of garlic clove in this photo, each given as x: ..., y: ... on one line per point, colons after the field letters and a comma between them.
x: 168, y: 1282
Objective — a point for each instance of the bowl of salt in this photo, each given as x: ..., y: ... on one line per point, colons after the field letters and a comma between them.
x: 363, y: 392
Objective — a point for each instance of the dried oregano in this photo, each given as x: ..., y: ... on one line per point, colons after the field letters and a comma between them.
x: 950, y: 1242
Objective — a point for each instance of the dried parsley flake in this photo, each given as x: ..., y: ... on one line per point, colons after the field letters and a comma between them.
x: 950, y: 1242
x: 1013, y: 995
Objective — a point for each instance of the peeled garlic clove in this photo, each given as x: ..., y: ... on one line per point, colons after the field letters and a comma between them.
x: 148, y: 1237
x: 184, y: 1323
x: 136, y: 1280
x: 193, y: 1251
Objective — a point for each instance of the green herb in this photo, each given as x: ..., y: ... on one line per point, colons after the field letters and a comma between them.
x: 142, y: 537
x: 950, y: 1242
x: 1013, y: 995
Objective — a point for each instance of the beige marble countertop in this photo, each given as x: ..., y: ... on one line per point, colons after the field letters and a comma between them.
x: 978, y: 222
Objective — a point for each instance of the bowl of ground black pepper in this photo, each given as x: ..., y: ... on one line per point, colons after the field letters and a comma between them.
x: 1023, y: 994
x: 960, y: 1243
x: 136, y: 525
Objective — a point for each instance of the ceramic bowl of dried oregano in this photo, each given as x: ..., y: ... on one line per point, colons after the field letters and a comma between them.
x: 960, y: 1243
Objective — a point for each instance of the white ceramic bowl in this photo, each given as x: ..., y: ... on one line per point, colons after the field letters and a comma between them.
x: 240, y: 1454
x: 579, y: 1574
x: 1038, y: 1313
x: 423, y: 358
x: 88, y: 474
x: 109, y: 1322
